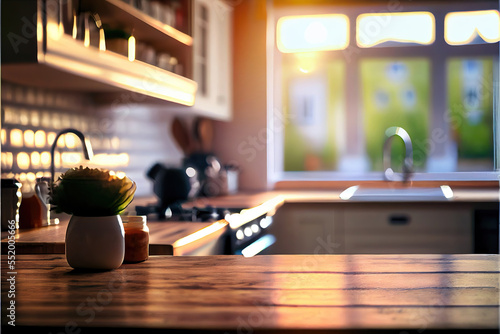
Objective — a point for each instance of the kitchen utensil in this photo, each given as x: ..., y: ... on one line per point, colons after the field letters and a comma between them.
x: 181, y: 136
x: 203, y: 130
x: 213, y: 178
x: 42, y: 191
x: 232, y: 173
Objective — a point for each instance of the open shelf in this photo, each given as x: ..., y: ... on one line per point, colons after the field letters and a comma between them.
x: 68, y: 65
x: 54, y: 60
x: 146, y: 28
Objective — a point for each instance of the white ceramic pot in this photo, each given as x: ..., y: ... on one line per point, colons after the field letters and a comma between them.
x: 95, y: 242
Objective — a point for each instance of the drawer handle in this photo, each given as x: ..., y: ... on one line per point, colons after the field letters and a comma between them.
x: 399, y: 220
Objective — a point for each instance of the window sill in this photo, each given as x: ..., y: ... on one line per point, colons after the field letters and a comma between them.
x: 334, y: 180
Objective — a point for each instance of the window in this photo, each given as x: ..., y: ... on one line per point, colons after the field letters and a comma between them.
x: 314, y: 101
x: 431, y: 72
x: 308, y: 33
x: 391, y: 29
x: 470, y: 99
x: 476, y: 27
x: 395, y: 91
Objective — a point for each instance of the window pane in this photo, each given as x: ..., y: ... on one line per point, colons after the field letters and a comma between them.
x: 314, y: 105
x: 395, y: 93
x: 478, y: 27
x: 470, y: 100
x: 395, y: 29
x: 312, y: 33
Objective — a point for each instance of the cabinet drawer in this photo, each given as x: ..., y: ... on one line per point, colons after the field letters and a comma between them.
x: 373, y: 230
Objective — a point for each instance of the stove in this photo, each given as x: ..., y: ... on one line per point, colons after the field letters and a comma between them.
x: 176, y: 212
x: 246, y: 234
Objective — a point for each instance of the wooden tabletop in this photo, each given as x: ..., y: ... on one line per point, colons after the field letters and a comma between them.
x: 261, y: 294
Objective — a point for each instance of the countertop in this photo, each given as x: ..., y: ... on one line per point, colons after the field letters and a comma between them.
x: 181, y: 238
x: 329, y: 192
x: 349, y: 293
x: 165, y: 238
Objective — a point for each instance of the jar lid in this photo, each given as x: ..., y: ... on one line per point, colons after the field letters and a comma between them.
x: 134, y: 219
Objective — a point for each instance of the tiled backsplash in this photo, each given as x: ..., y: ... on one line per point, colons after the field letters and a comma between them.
x: 127, y: 138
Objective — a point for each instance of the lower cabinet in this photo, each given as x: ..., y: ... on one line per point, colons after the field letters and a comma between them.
x: 435, y: 230
x: 306, y: 229
x: 375, y: 228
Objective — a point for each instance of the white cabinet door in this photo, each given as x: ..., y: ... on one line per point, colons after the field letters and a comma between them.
x: 212, y: 65
x: 426, y: 230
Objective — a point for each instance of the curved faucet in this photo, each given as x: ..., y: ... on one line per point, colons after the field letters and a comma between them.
x: 408, y: 160
x: 87, y: 150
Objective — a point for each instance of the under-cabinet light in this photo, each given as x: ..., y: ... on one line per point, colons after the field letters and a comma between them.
x: 7, y: 160
x: 23, y: 160
x: 131, y: 48
x: 51, y: 136
x: 102, y: 40
x: 110, y: 160
x: 29, y: 138
x: 35, y: 159
x: 31, y: 177
x: 16, y: 137
x: 69, y: 140
x: 40, y: 138
x: 142, y: 79
x: 45, y: 159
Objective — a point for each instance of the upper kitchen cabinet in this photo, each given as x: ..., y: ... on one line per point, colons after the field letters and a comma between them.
x: 212, y: 63
x: 101, y: 47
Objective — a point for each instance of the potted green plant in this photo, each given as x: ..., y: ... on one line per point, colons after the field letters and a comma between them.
x: 94, y: 198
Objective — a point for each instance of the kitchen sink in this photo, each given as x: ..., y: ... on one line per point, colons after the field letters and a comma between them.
x: 363, y: 193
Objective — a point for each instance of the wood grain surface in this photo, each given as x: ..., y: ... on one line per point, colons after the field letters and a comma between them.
x: 261, y: 294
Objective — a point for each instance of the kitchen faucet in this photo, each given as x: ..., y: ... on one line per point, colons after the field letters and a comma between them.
x: 87, y: 150
x: 389, y: 174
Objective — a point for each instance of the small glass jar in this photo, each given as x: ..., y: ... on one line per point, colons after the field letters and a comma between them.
x: 136, y: 238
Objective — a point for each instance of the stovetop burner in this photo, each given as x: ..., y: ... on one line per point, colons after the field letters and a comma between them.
x: 176, y: 212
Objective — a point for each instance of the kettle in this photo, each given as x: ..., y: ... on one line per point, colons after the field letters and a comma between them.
x: 173, y: 185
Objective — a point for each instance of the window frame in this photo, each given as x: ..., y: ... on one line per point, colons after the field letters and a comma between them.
x: 437, y: 53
